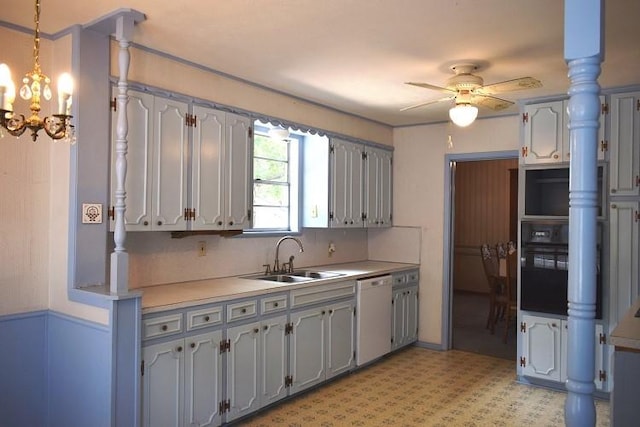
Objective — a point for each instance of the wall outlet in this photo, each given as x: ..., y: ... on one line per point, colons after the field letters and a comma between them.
x: 92, y: 213
x: 202, y: 248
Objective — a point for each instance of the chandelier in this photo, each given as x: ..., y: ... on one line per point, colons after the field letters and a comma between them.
x: 36, y: 85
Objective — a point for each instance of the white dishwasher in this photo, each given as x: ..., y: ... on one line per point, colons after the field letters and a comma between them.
x: 373, y: 318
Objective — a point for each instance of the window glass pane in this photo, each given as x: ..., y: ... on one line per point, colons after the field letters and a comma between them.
x: 270, y: 194
x: 270, y: 170
x: 265, y: 147
x: 271, y: 217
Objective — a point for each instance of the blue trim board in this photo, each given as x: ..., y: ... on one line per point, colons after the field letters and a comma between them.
x: 23, y: 392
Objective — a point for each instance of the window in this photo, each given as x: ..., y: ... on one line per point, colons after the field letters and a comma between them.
x: 275, y: 181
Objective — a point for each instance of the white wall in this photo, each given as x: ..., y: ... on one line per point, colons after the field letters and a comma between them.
x: 419, y: 194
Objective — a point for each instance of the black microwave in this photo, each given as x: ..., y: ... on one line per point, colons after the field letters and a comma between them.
x: 546, y: 191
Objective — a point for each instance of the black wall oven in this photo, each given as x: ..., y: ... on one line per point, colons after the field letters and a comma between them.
x: 544, y: 267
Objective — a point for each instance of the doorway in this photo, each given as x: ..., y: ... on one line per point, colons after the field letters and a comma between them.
x: 483, y: 210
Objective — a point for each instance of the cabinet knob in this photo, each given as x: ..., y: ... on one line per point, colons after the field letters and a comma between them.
x: 351, y: 222
x: 244, y: 310
x: 159, y: 222
x: 330, y: 311
x: 613, y: 190
x: 192, y: 345
x: 230, y: 222
x: 206, y: 318
x: 346, y: 222
x: 146, y: 223
x: 256, y: 330
x: 554, y: 325
x: 555, y: 156
x: 322, y: 312
x: 265, y: 327
x: 275, y: 304
x: 164, y: 327
x: 179, y: 349
x: 219, y: 222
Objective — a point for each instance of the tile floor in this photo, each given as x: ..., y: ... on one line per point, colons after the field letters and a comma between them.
x: 420, y: 387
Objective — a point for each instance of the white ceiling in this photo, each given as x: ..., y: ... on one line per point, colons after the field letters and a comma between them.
x: 355, y: 55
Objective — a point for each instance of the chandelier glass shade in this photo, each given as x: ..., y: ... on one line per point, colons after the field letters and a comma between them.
x: 36, y: 86
x: 463, y: 114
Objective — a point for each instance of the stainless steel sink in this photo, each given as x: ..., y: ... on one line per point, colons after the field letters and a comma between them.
x: 296, y: 276
x: 316, y: 274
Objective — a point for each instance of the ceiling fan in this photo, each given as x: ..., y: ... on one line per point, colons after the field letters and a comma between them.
x: 468, y: 90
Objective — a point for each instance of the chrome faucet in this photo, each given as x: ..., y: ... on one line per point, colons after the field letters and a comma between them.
x: 276, y: 264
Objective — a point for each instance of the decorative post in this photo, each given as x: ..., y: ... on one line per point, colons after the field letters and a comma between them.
x: 119, y: 257
x: 584, y: 54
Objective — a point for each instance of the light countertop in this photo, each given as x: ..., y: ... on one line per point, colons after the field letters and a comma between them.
x: 184, y: 294
x: 627, y: 333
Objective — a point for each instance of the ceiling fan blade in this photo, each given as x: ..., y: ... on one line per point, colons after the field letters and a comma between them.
x: 428, y: 86
x: 422, y: 104
x: 510, y: 85
x: 491, y: 102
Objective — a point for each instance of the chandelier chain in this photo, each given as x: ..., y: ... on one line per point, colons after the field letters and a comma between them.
x: 36, y: 41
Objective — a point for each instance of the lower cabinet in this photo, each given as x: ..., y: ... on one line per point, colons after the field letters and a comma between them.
x: 256, y: 365
x: 544, y: 350
x: 322, y: 343
x: 404, y: 317
x: 181, y: 382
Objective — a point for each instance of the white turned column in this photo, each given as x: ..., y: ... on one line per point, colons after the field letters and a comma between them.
x: 119, y: 257
x: 584, y: 54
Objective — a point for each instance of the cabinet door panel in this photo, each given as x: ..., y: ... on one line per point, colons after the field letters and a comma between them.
x: 307, y: 349
x: 624, y: 145
x: 340, y: 184
x: 207, y: 176
x: 543, y: 132
x: 170, y: 172
x: 203, y: 380
x: 139, y: 157
x: 412, y: 314
x: 162, y: 384
x: 386, y: 188
x: 274, y: 360
x: 398, y: 316
x: 242, y: 370
x: 239, y: 164
x: 340, y: 344
x: 541, y: 347
x: 623, y: 257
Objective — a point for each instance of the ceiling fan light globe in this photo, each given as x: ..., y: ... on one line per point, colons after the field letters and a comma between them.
x: 463, y: 114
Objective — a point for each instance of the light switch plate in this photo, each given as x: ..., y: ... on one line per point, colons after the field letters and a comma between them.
x: 92, y: 213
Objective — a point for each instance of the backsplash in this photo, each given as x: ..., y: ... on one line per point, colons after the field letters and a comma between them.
x: 155, y: 258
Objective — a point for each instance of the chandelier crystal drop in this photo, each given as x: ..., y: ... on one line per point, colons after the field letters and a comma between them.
x: 35, y: 85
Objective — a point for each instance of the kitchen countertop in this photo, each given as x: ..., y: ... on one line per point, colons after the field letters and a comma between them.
x: 627, y: 333
x: 185, y: 294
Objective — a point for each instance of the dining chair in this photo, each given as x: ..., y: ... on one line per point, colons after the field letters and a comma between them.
x: 506, y: 303
x: 490, y: 264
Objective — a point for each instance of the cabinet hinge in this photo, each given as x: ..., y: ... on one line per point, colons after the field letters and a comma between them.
x: 637, y: 216
x: 525, y: 151
x: 525, y: 117
x: 194, y: 120
x: 364, y: 216
x: 142, y: 369
x: 330, y: 215
x: 523, y: 361
x: 187, y: 214
x: 391, y: 217
x: 603, y: 339
x: 331, y: 148
x: 364, y: 155
x: 288, y: 381
x: 523, y: 327
x: 113, y: 104
x: 604, y: 108
x: 637, y: 180
x: 193, y: 213
x: 111, y: 212
x: 602, y: 375
x: 224, y: 406
x: 250, y: 132
x: 354, y: 354
x: 187, y: 120
x: 249, y: 214
x: 225, y: 346
x: 288, y: 328
x: 604, y: 146
x: 354, y: 311
x: 638, y: 105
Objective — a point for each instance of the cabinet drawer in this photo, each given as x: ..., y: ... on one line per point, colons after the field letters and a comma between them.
x: 161, y: 326
x: 413, y: 276
x: 399, y: 279
x: 242, y: 310
x: 203, y: 318
x: 322, y: 293
x: 273, y: 304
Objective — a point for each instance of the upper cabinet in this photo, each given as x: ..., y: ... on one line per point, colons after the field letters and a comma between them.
x: 161, y: 195
x: 546, y: 133
x: 346, y: 184
x: 624, y: 168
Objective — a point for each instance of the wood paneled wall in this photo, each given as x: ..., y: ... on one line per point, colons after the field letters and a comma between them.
x: 482, y: 215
